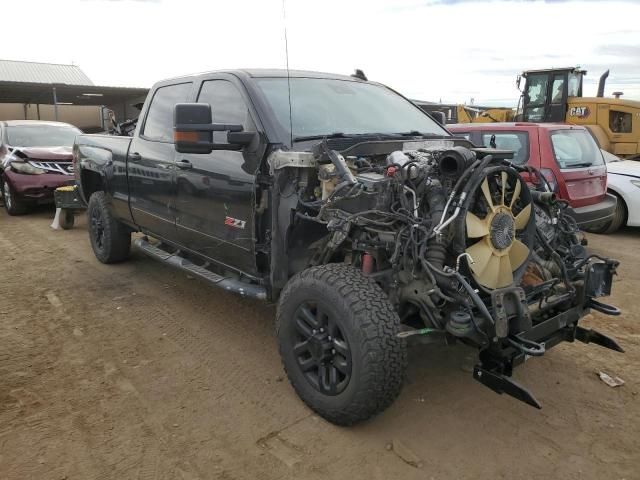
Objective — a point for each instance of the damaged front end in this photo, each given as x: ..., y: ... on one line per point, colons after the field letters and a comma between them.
x: 467, y: 245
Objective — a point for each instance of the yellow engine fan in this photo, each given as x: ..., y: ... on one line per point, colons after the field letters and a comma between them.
x: 498, y: 254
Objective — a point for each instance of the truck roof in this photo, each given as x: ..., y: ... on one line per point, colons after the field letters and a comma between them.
x: 511, y: 126
x: 272, y: 73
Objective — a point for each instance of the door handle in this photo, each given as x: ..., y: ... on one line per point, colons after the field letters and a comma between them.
x: 184, y: 164
x: 135, y: 156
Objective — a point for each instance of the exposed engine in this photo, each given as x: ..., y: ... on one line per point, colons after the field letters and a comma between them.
x: 462, y: 244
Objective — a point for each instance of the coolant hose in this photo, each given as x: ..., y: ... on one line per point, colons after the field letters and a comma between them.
x: 436, y: 251
x: 475, y: 297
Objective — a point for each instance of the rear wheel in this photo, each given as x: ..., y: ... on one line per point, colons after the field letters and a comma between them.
x: 12, y: 204
x: 110, y: 239
x: 338, y: 342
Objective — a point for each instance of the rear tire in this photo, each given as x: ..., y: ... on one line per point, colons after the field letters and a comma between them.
x: 13, y: 205
x: 338, y: 341
x: 110, y: 239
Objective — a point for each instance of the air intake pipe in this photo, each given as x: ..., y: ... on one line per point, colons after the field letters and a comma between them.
x: 601, y: 83
x: 453, y: 162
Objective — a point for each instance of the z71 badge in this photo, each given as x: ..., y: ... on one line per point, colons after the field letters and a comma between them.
x: 234, y: 222
x: 580, y: 112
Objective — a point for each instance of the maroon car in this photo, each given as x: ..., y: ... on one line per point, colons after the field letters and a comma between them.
x: 568, y: 157
x: 35, y: 159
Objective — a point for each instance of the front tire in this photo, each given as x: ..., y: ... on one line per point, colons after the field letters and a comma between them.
x: 12, y: 204
x: 338, y: 341
x: 110, y: 239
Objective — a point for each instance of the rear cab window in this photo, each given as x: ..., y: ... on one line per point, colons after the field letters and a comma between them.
x: 575, y: 149
x: 518, y: 142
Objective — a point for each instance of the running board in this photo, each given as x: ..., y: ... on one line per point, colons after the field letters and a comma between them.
x: 230, y: 284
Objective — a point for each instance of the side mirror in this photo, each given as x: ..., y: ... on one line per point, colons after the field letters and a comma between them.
x: 193, y: 130
x: 190, y: 134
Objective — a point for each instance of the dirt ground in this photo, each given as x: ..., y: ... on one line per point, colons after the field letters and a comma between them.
x: 136, y: 371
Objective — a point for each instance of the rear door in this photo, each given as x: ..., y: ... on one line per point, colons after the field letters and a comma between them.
x: 580, y: 165
x: 216, y: 192
x: 150, y: 163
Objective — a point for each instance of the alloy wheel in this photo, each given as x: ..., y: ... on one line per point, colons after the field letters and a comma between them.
x: 97, y: 227
x: 321, y: 349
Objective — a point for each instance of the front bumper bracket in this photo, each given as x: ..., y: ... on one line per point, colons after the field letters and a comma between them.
x: 591, y: 336
x: 502, y: 384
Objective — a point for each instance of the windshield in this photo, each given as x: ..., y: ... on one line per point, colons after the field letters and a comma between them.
x: 42, y: 135
x: 327, y: 106
x: 575, y: 149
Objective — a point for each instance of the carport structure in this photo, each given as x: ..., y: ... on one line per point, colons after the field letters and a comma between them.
x: 63, y: 94
x: 30, y: 83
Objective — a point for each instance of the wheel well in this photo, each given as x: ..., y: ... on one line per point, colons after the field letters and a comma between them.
x: 624, y: 204
x: 91, y: 182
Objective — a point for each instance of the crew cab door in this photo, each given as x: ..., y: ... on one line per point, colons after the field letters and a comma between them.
x: 216, y: 192
x: 150, y: 163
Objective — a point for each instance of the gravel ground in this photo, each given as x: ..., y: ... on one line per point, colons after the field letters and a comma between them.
x: 136, y: 371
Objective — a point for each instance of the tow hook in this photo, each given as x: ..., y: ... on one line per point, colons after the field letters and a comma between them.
x: 603, y: 307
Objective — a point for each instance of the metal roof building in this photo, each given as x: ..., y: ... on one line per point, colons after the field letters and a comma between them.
x: 32, y: 72
x: 27, y: 84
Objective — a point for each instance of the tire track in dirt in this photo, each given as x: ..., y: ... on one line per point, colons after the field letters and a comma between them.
x: 175, y: 331
x: 116, y: 390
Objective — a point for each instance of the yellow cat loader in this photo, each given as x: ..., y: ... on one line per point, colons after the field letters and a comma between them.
x: 468, y: 114
x: 555, y: 95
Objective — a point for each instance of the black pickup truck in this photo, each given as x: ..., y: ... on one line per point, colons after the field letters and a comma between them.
x: 360, y: 215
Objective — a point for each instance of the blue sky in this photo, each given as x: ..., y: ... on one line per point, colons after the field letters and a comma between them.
x: 453, y: 50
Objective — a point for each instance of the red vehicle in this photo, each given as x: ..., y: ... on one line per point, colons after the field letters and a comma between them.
x: 35, y: 159
x: 567, y: 155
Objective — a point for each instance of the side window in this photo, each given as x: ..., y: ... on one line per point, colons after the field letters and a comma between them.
x: 619, y: 122
x: 536, y: 94
x: 516, y: 141
x: 158, y: 126
x: 574, y: 85
x: 537, y: 89
x: 557, y: 89
x: 227, y: 105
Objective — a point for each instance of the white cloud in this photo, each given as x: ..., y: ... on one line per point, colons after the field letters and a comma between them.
x: 423, y: 49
